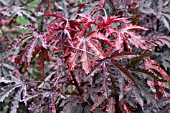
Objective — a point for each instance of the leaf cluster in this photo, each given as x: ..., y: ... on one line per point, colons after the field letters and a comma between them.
x: 84, y: 56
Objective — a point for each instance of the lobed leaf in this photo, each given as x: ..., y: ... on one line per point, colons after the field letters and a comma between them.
x: 83, y: 47
x: 16, y: 83
x: 125, y: 36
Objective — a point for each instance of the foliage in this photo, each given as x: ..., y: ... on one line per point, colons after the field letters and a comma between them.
x: 82, y: 56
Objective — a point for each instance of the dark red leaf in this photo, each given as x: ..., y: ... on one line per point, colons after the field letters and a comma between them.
x: 138, y: 59
x: 126, y: 72
x: 41, y: 59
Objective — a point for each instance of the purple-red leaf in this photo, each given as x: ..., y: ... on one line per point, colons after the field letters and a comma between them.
x: 153, y: 65
x: 83, y: 47
x: 127, y: 37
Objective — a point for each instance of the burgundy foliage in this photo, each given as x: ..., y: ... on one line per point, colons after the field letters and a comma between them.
x: 97, y: 61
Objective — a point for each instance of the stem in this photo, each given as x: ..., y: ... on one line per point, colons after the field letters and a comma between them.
x: 37, y: 82
x: 42, y: 23
x: 157, y: 25
x: 65, y: 9
x: 114, y: 92
x: 105, y: 13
